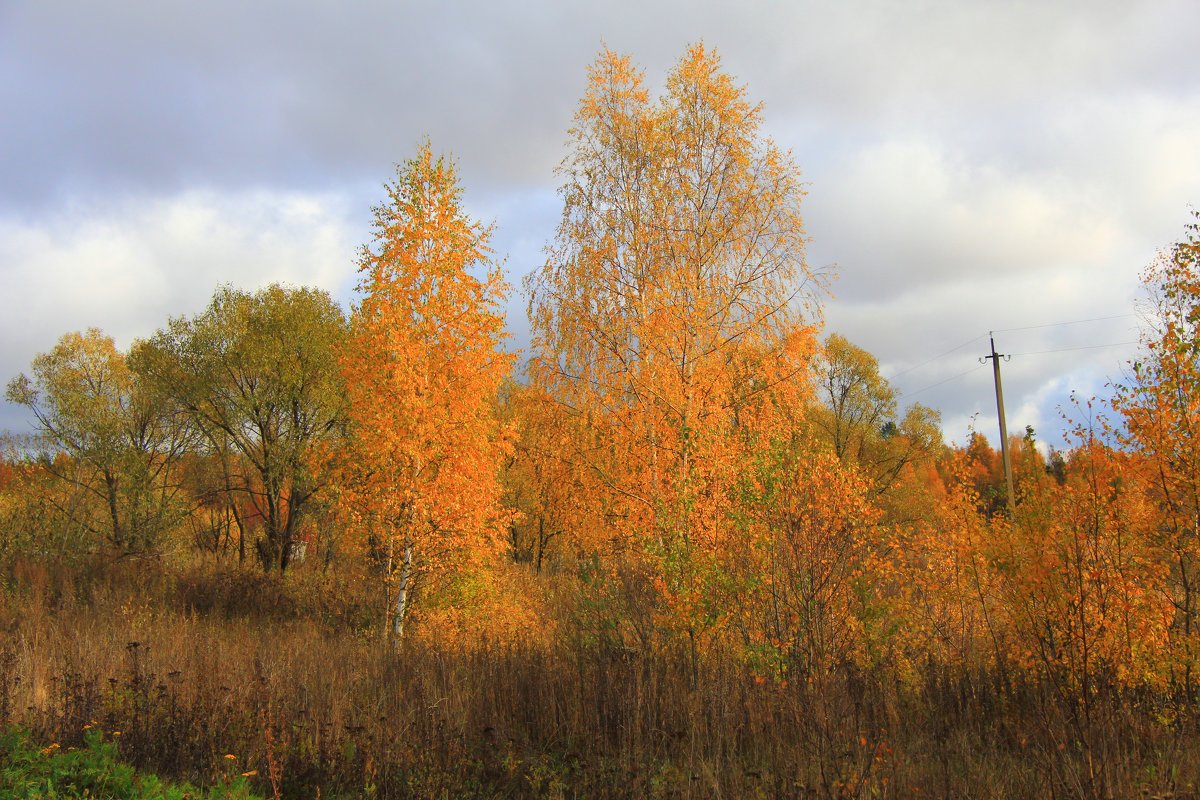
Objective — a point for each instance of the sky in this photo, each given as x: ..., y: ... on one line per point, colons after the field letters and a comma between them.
x: 970, y: 166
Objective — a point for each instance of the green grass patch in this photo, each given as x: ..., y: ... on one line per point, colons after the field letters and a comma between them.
x: 28, y: 770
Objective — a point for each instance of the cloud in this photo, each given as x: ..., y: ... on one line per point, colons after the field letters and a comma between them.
x: 905, y: 214
x: 938, y: 243
x: 972, y: 165
x: 166, y: 96
x: 127, y: 269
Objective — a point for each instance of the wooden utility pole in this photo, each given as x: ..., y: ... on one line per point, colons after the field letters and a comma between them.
x: 1008, y: 476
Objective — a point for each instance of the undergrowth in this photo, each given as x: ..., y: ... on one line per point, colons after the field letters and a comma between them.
x: 304, y: 701
x: 29, y: 771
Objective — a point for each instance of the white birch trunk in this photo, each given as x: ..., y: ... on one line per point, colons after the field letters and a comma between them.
x: 402, y: 594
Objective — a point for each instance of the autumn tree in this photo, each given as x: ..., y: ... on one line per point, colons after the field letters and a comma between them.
x: 540, y: 479
x: 423, y: 367
x: 27, y: 504
x: 679, y: 258
x: 985, y: 467
x: 257, y: 374
x: 108, y: 438
x: 1160, y: 405
x: 813, y: 558
x: 859, y: 417
x: 1083, y: 576
x: 218, y: 479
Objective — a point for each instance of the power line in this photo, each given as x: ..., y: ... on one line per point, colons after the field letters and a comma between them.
x: 947, y: 380
x: 935, y: 358
x: 1070, y: 349
x: 1057, y: 324
x: 981, y: 366
x: 972, y: 340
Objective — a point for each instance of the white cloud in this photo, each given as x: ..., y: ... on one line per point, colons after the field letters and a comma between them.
x: 126, y: 269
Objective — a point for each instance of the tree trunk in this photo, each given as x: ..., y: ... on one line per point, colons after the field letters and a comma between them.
x: 402, y: 594
x: 118, y: 532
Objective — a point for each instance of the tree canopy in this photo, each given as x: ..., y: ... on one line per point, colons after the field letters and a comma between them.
x: 258, y: 373
x: 423, y: 366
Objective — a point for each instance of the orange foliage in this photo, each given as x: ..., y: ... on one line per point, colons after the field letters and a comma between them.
x: 423, y: 368
x: 816, y: 552
x: 1161, y: 412
x: 667, y: 319
x: 1082, y: 578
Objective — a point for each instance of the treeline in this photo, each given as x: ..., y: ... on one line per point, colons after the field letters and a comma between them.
x: 684, y: 470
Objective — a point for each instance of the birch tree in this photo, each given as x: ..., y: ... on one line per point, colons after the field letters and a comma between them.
x: 679, y: 259
x: 423, y: 368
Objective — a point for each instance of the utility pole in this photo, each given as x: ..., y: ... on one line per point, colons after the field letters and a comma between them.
x: 1008, y: 478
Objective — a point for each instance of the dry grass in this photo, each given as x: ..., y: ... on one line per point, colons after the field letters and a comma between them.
x: 194, y: 664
